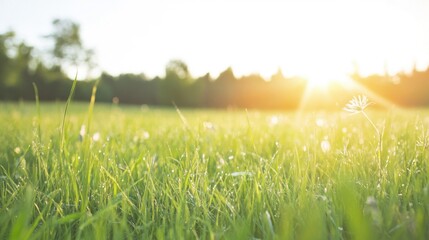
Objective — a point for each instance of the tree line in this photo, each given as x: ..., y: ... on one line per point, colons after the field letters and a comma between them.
x: 404, y: 89
x: 22, y: 65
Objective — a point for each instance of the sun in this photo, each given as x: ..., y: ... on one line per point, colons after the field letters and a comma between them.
x: 321, y: 76
x: 323, y: 81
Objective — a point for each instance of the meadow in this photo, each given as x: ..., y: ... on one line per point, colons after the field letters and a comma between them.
x: 134, y: 172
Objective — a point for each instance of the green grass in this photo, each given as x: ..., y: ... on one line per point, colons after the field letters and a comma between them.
x: 206, y: 174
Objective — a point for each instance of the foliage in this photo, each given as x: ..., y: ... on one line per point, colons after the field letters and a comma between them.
x: 132, y: 173
x: 68, y: 49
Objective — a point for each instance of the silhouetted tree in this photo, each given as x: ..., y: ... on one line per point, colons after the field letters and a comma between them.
x: 173, y: 88
x: 222, y: 89
x: 68, y: 49
x: 6, y: 42
x: 22, y: 72
x: 278, y: 77
x: 199, y: 91
x: 105, y: 90
x: 252, y: 92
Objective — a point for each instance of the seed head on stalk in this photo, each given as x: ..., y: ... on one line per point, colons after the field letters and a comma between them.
x: 357, y: 104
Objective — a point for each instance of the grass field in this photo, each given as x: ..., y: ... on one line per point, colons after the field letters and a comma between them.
x: 116, y: 172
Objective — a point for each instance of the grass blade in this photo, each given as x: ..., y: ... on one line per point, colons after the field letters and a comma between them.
x: 63, y: 125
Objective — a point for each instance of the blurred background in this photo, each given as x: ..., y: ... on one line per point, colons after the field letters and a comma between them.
x: 244, y: 54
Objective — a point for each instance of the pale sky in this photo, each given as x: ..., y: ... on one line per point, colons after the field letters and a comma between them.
x: 311, y: 38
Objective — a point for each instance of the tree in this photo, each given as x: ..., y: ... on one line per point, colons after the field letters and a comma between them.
x: 278, y: 77
x: 6, y: 41
x: 174, y: 88
x: 178, y: 69
x: 222, y: 90
x: 68, y: 50
x: 226, y: 77
x: 22, y: 71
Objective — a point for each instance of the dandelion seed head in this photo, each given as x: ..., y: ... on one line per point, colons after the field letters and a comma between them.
x: 96, y: 137
x: 325, y: 146
x: 82, y: 131
x: 357, y: 104
x: 370, y: 201
x: 304, y: 148
x: 17, y: 150
x: 274, y: 120
x: 221, y: 162
x: 320, y: 122
x: 145, y: 135
x: 208, y: 125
